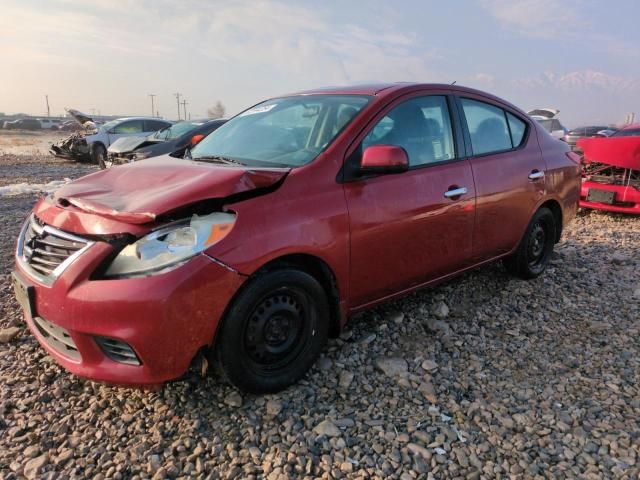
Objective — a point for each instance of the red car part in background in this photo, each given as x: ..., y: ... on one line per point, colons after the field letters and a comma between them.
x: 611, y: 174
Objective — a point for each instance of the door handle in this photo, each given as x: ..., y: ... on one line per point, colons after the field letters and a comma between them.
x: 456, y: 192
x: 536, y: 174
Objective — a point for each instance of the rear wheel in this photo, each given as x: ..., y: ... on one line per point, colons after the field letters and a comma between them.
x: 274, y: 331
x: 535, y: 249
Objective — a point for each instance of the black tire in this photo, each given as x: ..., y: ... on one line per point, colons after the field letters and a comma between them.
x: 274, y: 331
x: 99, y: 155
x: 532, y: 255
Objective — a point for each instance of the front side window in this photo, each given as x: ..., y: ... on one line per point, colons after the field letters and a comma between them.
x: 422, y: 126
x: 487, y: 126
x: 132, y: 126
x: 290, y: 131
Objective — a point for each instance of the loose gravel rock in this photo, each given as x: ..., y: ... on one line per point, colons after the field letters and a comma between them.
x: 530, y: 379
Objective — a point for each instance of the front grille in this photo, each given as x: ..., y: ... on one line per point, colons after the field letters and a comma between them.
x: 57, y: 338
x: 118, y: 351
x: 47, y: 251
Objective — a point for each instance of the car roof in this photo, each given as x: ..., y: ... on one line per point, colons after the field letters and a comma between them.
x: 140, y: 118
x: 384, y: 89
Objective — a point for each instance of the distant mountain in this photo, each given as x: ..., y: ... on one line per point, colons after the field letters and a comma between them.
x: 584, y: 80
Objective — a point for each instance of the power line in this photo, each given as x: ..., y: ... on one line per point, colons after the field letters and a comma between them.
x: 152, y: 95
x: 184, y: 106
x: 177, y: 95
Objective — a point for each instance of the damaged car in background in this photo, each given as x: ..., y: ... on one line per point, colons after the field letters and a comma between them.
x: 611, y: 171
x: 293, y: 216
x: 173, y: 140
x: 548, y: 118
x: 91, y: 143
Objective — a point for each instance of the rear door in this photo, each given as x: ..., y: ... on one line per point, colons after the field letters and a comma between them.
x: 508, y: 170
x: 407, y: 228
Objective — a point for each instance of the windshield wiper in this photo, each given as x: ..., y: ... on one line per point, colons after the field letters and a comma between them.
x: 217, y: 159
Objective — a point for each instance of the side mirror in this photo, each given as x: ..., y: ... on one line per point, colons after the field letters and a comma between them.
x: 384, y: 159
x: 196, y: 139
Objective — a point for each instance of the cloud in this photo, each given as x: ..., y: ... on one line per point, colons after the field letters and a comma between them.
x: 238, y: 51
x: 537, y: 18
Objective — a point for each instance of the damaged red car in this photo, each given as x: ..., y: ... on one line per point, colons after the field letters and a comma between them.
x: 611, y: 171
x: 294, y: 215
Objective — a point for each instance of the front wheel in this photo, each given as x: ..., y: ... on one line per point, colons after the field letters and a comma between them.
x: 274, y: 331
x: 99, y: 155
x: 535, y: 249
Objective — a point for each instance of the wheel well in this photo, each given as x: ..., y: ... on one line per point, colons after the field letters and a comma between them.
x: 319, y: 270
x: 554, y: 206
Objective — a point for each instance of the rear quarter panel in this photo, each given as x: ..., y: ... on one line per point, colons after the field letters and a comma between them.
x: 563, y: 175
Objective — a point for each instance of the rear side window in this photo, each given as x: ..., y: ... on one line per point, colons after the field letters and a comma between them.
x: 132, y: 126
x: 517, y: 128
x: 487, y: 127
x: 422, y: 126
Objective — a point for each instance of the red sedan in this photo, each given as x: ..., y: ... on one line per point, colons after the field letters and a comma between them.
x: 611, y: 171
x: 294, y: 215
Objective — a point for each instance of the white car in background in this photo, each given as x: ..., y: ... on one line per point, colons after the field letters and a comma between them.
x: 92, y: 143
x: 548, y: 118
x: 50, y: 123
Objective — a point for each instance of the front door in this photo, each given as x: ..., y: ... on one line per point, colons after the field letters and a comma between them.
x: 416, y: 226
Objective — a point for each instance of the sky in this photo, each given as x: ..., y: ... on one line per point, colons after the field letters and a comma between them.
x: 107, y: 56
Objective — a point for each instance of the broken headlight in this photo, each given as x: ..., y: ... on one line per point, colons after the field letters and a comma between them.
x: 169, y: 247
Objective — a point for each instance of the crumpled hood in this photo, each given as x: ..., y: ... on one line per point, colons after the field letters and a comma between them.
x: 138, y: 192
x: 80, y: 117
x: 623, y: 152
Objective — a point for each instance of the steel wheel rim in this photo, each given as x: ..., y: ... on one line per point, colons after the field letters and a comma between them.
x: 537, y: 244
x: 275, y: 331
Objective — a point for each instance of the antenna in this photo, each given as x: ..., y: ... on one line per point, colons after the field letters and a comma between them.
x: 454, y: 82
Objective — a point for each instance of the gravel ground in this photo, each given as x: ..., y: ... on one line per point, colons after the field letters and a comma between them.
x: 482, y: 377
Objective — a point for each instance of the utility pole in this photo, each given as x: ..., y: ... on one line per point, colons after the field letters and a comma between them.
x: 46, y: 97
x: 152, y: 95
x: 177, y: 95
x: 184, y: 106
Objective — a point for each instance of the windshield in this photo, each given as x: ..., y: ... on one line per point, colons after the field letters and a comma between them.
x: 176, y: 130
x: 289, y: 131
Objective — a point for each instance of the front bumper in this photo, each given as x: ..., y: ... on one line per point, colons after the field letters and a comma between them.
x: 74, y: 147
x: 165, y: 319
x: 626, y: 199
